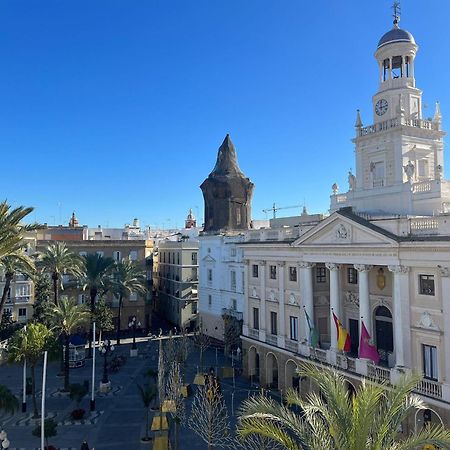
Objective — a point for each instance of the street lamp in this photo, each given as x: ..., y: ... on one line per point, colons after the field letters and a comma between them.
x: 4, y: 439
x: 106, y: 348
x: 133, y: 324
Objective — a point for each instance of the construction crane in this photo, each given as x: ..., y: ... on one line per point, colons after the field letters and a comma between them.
x: 275, y: 208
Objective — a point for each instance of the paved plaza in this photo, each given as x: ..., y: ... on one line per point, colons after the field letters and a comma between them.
x: 119, y: 419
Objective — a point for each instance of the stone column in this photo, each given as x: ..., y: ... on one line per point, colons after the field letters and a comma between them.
x: 445, y: 289
x: 390, y: 68
x: 401, y: 316
x: 262, y: 312
x: 246, y: 305
x: 281, y: 284
x: 306, y: 295
x: 365, y: 312
x: 335, y: 301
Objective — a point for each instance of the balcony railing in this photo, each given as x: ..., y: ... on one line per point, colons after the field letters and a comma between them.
x: 272, y: 340
x: 430, y: 388
x: 292, y: 345
x: 233, y: 313
x: 377, y: 373
x: 253, y: 333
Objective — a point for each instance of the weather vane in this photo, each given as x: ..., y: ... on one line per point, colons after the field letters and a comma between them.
x: 397, y: 11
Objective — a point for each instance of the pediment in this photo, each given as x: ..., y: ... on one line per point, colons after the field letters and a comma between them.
x: 208, y: 258
x: 339, y: 230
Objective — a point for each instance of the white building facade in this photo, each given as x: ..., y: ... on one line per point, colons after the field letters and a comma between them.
x: 381, y: 258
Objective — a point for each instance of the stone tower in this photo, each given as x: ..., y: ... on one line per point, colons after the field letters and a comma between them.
x: 227, y: 193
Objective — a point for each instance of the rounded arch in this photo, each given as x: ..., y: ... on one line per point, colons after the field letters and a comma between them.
x: 253, y: 363
x: 422, y: 417
x: 351, y: 388
x: 291, y: 377
x: 384, y: 334
x: 271, y: 370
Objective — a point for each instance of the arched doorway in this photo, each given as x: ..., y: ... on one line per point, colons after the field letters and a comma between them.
x: 426, y: 417
x: 351, y: 389
x: 271, y: 371
x: 253, y: 365
x: 384, y: 334
x: 291, y: 377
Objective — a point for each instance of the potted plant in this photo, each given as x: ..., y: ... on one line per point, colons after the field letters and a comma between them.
x: 49, y: 431
x: 78, y: 414
x: 77, y: 392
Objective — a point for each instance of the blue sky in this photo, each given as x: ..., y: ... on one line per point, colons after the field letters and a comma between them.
x: 115, y: 109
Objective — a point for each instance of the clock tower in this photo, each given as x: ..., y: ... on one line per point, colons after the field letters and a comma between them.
x: 399, y: 157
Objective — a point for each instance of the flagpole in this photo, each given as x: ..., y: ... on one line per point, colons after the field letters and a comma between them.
x: 44, y: 379
x: 93, y: 369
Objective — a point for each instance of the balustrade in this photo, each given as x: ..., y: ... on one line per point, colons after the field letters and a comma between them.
x: 429, y: 388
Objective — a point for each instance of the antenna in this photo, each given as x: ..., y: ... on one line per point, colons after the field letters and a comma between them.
x: 397, y: 10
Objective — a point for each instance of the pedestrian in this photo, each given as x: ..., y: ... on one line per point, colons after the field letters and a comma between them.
x: 84, y: 446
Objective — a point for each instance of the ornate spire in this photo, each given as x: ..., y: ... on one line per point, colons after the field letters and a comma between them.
x: 358, y: 123
x: 397, y: 10
x: 226, y: 163
x: 437, y: 112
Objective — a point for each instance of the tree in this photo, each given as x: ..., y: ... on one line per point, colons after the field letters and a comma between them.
x: 127, y: 278
x: 335, y: 419
x: 202, y: 341
x: 175, y: 397
x: 209, y: 418
x: 148, y: 393
x: 103, y: 317
x: 42, y: 292
x: 257, y: 442
x: 8, y: 401
x: 97, y: 271
x: 49, y: 431
x: 67, y: 318
x: 7, y: 326
x: 59, y: 260
x: 29, y: 344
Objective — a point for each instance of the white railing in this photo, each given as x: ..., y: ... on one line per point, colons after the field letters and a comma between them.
x: 238, y: 315
x: 424, y: 225
x: 422, y: 186
x: 379, y: 182
x: 272, y: 340
x: 419, y: 123
x: 342, y: 361
x: 319, y: 354
x: 253, y: 333
x: 392, y: 123
x: 378, y: 373
x: 430, y: 388
x: 341, y: 198
x: 351, y: 364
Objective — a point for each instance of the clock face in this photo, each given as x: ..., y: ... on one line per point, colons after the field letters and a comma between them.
x: 381, y: 107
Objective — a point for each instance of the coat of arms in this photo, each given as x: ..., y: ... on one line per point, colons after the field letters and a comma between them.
x: 381, y: 279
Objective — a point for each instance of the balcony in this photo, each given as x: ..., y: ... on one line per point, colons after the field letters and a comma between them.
x: 253, y: 333
x: 272, y: 340
x: 430, y: 388
x: 232, y: 313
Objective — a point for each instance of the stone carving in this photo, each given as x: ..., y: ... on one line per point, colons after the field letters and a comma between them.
x: 342, y: 233
x: 306, y: 265
x: 335, y: 188
x: 426, y: 321
x: 362, y: 267
x: 351, y: 181
x: 409, y: 170
x: 351, y: 298
x: 322, y: 300
x: 292, y: 300
x: 272, y: 296
x: 381, y: 279
x: 439, y: 170
x: 254, y: 293
x: 332, y: 266
x: 444, y: 271
x: 399, y: 269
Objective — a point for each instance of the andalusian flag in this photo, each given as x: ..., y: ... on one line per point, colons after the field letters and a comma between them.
x: 343, y: 338
x: 313, y: 333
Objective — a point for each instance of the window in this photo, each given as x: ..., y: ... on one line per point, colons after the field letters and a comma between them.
x: 194, y: 258
x: 116, y: 256
x: 234, y: 304
x: 133, y: 255
x: 23, y: 312
x: 293, y: 322
x: 209, y: 275
x: 321, y: 274
x: 242, y: 282
x: 238, y: 215
x: 100, y: 254
x: 82, y: 254
x: 256, y: 318
x: 273, y: 272
x: 273, y: 323
x: 430, y: 369
x: 426, y: 284
x: 352, y: 275
x: 377, y: 169
x: 178, y: 258
x: 209, y: 300
x: 292, y: 273
x: 233, y: 251
x: 233, y: 280
x: 255, y: 270
x: 423, y: 168
x: 81, y: 299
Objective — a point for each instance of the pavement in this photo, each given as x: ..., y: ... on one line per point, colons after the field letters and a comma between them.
x: 119, y: 419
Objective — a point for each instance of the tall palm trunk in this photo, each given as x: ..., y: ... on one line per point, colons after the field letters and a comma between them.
x: 93, y: 295
x: 8, y: 279
x: 33, y: 391
x: 55, y: 278
x: 118, y: 320
x: 66, y: 362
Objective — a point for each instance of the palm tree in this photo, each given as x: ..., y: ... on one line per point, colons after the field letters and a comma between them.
x: 59, y: 260
x: 11, y: 264
x: 148, y: 393
x: 335, y: 419
x: 97, y: 271
x: 127, y: 278
x: 66, y: 318
x: 29, y: 344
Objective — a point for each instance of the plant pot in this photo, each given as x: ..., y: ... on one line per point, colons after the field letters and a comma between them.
x: 78, y: 414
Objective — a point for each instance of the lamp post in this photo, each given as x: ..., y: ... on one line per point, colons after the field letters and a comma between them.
x: 4, y: 439
x: 106, y: 348
x: 133, y: 324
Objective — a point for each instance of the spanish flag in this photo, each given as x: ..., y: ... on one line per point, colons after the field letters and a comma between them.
x: 343, y: 337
